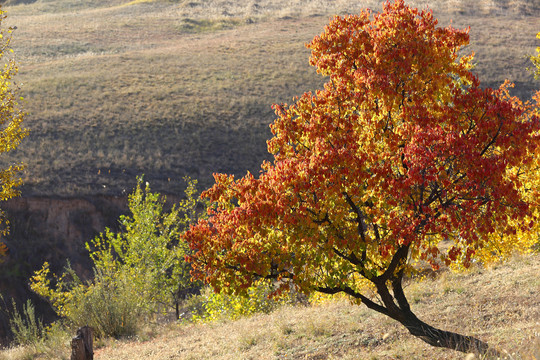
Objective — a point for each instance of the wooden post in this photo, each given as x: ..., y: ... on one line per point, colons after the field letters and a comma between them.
x: 82, y: 347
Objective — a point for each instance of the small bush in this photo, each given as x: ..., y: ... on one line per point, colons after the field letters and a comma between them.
x: 110, y: 305
x: 57, y: 336
x: 220, y: 306
x: 27, y: 329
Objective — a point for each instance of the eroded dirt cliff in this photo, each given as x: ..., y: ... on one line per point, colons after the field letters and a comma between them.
x: 53, y: 230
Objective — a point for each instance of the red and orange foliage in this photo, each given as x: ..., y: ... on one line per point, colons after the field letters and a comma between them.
x: 400, y: 152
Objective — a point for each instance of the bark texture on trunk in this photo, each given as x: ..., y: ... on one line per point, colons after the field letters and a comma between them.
x: 394, y: 304
x: 446, y: 339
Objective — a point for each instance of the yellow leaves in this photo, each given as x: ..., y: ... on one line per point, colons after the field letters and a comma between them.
x: 258, y: 298
x: 40, y: 282
x: 11, y: 118
x: 535, y: 59
x: 59, y: 297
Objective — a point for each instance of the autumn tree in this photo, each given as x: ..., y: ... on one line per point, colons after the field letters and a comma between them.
x: 401, y: 158
x: 11, y: 118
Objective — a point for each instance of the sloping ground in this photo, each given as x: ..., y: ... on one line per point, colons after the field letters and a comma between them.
x: 500, y: 305
x: 116, y: 88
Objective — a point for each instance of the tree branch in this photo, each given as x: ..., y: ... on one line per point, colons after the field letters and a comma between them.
x: 400, y: 255
x: 347, y: 290
x: 399, y: 294
x: 359, y: 216
x: 492, y: 141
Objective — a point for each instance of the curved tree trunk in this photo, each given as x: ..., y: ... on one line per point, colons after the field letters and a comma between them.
x: 445, y: 339
x: 393, y: 303
x: 400, y: 310
x: 397, y: 308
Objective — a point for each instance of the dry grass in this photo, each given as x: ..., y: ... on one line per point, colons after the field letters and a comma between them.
x: 499, y: 305
x: 173, y: 88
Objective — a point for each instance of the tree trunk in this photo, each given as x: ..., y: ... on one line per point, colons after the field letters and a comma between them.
x: 82, y: 344
x: 427, y: 333
x: 446, y: 339
x: 393, y: 303
x: 398, y: 308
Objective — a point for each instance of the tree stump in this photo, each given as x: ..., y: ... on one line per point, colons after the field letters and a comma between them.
x: 82, y: 347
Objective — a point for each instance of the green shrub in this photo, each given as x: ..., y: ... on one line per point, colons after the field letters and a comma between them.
x: 27, y: 329
x: 110, y: 305
x: 138, y: 272
x: 221, y: 306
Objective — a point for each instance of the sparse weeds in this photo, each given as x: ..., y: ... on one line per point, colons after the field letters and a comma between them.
x: 285, y: 328
x: 191, y: 26
x: 450, y: 284
x: 247, y: 340
x: 51, y: 343
x: 26, y: 327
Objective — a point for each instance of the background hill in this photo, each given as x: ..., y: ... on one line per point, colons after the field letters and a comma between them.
x: 115, y: 89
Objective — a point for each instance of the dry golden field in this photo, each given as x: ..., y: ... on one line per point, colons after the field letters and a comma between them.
x: 499, y: 305
x: 115, y: 88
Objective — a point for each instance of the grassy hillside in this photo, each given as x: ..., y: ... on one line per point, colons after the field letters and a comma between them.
x: 498, y: 305
x: 173, y: 88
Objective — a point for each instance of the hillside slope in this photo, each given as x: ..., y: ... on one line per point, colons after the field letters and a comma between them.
x: 173, y: 88
x: 499, y: 305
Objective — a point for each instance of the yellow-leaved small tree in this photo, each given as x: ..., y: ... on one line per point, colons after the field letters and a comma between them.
x: 11, y: 118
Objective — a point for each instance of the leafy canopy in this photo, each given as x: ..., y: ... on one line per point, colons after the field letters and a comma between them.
x: 402, y: 152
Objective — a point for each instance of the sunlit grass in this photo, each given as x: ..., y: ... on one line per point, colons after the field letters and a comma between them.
x: 135, y: 2
x: 498, y: 305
